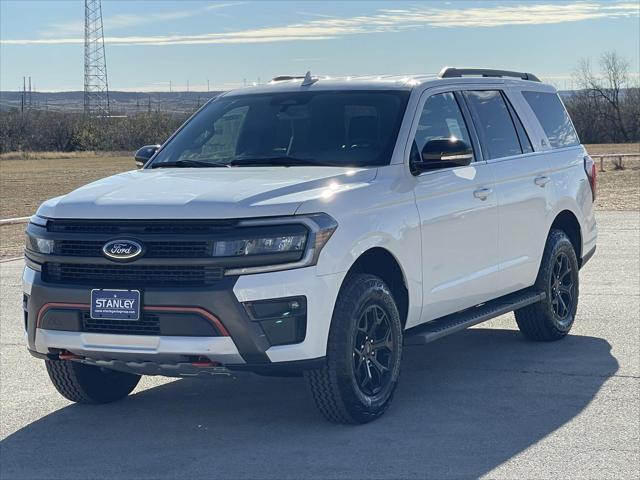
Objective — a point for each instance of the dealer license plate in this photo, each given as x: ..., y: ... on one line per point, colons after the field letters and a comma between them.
x: 115, y: 304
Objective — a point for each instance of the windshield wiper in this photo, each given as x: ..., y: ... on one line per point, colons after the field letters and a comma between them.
x: 187, y: 164
x: 279, y: 161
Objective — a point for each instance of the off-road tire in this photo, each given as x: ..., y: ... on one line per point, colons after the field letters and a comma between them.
x: 335, y: 387
x: 88, y: 384
x: 539, y: 321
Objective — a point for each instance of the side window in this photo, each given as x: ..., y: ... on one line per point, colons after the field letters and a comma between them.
x: 553, y: 117
x: 525, y: 142
x: 494, y: 124
x: 440, y: 119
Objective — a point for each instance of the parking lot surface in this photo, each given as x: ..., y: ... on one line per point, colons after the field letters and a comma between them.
x: 484, y: 402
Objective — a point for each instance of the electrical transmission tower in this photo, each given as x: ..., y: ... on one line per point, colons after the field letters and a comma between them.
x: 96, y: 87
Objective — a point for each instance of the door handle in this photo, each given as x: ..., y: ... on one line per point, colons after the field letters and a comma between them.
x: 482, y: 193
x: 541, y: 181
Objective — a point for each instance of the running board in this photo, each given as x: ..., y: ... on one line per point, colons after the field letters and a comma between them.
x: 455, y: 322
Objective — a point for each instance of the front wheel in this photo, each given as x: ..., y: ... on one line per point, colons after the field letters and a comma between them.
x: 552, y: 318
x: 363, y: 354
x: 89, y: 384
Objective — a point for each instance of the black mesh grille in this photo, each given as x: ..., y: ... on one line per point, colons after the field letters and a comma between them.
x: 177, y: 249
x: 148, y: 324
x: 78, y: 248
x: 132, y: 275
x: 140, y: 226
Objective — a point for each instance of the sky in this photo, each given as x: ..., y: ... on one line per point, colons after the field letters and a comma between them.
x: 223, y: 44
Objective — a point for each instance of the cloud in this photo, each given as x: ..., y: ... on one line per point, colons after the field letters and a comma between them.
x: 383, y: 21
x: 126, y: 20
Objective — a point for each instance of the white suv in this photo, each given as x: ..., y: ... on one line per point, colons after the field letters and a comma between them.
x: 314, y: 226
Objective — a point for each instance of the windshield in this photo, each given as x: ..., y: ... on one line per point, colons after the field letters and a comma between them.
x: 340, y: 128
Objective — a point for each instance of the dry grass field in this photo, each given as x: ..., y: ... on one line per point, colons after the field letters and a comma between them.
x: 604, y: 148
x: 618, y: 189
x: 26, y: 180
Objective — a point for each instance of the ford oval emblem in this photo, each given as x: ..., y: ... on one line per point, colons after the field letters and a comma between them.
x: 122, y: 250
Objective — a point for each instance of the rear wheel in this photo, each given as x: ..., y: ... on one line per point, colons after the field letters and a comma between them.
x: 552, y: 318
x: 88, y: 384
x: 363, y: 354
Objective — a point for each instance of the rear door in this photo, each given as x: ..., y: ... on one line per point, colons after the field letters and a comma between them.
x: 522, y: 185
x: 458, y: 212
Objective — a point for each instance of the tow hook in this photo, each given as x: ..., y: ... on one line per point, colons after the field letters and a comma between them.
x: 65, y: 355
x: 204, y: 362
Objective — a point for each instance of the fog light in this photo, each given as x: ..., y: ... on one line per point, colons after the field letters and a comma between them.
x: 283, y: 320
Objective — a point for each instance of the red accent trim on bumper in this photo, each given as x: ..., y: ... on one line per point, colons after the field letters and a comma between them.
x: 200, y: 311
x: 48, y: 306
x: 149, y: 308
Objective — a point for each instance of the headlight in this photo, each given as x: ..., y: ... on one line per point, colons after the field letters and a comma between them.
x: 36, y: 244
x: 40, y: 245
x: 286, y: 243
x: 260, y: 246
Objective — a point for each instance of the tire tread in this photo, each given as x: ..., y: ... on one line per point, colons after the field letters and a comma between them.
x: 64, y: 378
x: 89, y: 384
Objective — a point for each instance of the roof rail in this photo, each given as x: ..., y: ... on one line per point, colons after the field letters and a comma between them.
x: 452, y: 72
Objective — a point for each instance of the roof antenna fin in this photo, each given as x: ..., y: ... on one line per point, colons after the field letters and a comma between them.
x: 308, y: 80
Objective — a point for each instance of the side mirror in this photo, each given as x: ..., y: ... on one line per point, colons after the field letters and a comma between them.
x: 145, y: 153
x: 444, y: 153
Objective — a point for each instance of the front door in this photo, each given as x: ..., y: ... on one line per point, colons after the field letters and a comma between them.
x: 458, y: 215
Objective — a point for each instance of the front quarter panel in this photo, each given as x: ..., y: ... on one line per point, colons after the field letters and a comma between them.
x: 380, y: 213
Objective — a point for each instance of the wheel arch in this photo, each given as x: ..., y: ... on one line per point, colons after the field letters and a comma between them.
x: 567, y: 221
x: 382, y: 263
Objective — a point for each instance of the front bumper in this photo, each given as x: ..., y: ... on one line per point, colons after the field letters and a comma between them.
x: 241, y: 344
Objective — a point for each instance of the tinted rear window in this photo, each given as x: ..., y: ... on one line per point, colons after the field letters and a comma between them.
x: 494, y: 124
x: 553, y: 117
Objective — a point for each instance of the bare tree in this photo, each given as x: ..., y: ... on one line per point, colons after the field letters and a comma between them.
x: 605, y: 93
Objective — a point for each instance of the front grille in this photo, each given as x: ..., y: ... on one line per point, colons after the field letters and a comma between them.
x: 177, y: 249
x: 148, y: 324
x: 124, y: 227
x: 132, y: 275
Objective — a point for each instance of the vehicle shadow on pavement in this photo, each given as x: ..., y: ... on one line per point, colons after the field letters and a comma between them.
x: 465, y: 405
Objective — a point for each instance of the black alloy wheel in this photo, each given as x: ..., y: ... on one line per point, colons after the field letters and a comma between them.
x: 373, y: 351
x: 562, y: 289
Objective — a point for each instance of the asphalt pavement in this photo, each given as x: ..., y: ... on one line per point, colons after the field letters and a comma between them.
x: 481, y: 403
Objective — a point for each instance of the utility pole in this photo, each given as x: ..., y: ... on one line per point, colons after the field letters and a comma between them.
x: 96, y: 86
x: 207, y: 85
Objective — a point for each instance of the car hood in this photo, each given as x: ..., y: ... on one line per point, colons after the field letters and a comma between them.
x: 200, y: 193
